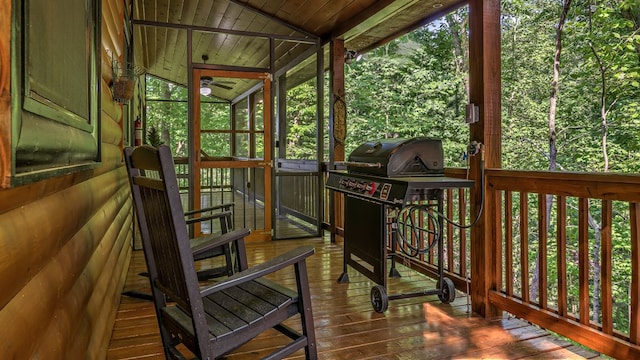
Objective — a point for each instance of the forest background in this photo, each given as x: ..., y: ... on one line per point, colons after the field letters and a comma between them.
x: 570, y: 102
x: 571, y: 97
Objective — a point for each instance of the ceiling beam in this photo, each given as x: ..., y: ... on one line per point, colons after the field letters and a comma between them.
x: 362, y: 16
x: 377, y: 18
x: 442, y: 12
x: 301, y: 59
x: 274, y: 18
x: 299, y: 39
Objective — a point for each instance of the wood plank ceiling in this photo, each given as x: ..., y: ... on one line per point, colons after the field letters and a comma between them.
x: 234, y: 34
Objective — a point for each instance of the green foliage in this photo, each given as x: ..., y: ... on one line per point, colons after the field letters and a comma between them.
x: 301, y: 122
x: 167, y: 113
x: 411, y: 87
x: 153, y: 137
x: 169, y: 118
x: 596, y: 34
x: 215, y: 116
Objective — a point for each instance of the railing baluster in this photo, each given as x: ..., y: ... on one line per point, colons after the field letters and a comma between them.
x: 605, y: 267
x: 449, y: 247
x: 508, y: 242
x: 561, y: 238
x: 430, y: 239
x: 634, y: 330
x: 496, y: 225
x: 583, y: 259
x: 418, y: 219
x: 462, y: 210
x: 524, y: 245
x: 542, y: 250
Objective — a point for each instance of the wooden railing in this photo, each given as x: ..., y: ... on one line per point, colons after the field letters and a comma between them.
x: 335, y: 198
x: 297, y: 188
x: 570, y: 256
x: 296, y: 181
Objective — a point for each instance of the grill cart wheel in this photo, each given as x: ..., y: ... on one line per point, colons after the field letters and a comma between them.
x: 447, y: 291
x: 379, y: 298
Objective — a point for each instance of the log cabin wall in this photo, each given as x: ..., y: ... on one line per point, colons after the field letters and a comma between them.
x: 64, y: 241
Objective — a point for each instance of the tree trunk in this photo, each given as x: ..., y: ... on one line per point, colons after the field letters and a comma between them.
x: 602, y: 69
x: 165, y: 135
x: 460, y: 41
x: 553, y: 149
x: 553, y: 101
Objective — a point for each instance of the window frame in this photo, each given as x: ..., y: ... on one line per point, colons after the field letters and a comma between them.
x: 75, y: 145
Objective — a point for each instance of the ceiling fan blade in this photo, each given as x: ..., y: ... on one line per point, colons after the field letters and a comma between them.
x: 226, y: 87
x: 209, y: 82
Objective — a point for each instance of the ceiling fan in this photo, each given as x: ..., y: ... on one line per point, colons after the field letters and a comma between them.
x: 206, y: 82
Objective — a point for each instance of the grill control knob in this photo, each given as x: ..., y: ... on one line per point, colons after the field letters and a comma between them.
x: 370, y: 188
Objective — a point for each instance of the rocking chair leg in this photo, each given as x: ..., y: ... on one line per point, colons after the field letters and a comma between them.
x: 138, y: 295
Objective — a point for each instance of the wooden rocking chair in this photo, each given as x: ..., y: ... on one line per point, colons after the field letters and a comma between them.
x: 210, y: 321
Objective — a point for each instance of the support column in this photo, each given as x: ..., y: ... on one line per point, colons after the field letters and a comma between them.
x: 338, y: 104
x: 280, y: 133
x: 485, y: 92
x: 281, y: 116
x: 337, y: 125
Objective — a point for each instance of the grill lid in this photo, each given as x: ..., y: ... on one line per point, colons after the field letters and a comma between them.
x: 418, y: 156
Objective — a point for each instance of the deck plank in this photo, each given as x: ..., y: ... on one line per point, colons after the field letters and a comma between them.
x: 347, y: 328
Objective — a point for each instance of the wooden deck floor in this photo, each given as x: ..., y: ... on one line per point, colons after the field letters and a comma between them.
x: 348, y: 328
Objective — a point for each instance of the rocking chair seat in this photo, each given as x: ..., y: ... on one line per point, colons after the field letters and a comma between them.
x: 244, y: 310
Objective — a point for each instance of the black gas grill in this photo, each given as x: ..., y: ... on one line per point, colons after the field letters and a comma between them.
x: 398, y: 158
x: 383, y: 177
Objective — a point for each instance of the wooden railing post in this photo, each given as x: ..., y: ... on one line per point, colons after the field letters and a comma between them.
x: 634, y: 305
x: 484, y: 92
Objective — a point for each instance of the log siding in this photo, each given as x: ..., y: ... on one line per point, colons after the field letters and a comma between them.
x: 65, y: 241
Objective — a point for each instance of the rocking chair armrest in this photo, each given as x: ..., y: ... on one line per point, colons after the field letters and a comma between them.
x: 214, y: 241
x: 225, y: 207
x: 277, y: 263
x: 208, y: 217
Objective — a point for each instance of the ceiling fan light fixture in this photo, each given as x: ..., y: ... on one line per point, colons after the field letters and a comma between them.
x: 204, y: 85
x: 205, y: 90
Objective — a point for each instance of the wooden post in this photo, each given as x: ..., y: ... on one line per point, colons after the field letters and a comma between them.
x: 338, y: 104
x: 5, y: 94
x: 484, y: 92
x: 281, y: 115
x: 337, y: 122
x: 267, y: 156
x: 195, y: 159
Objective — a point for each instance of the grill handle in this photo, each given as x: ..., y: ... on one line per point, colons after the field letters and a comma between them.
x: 359, y: 164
